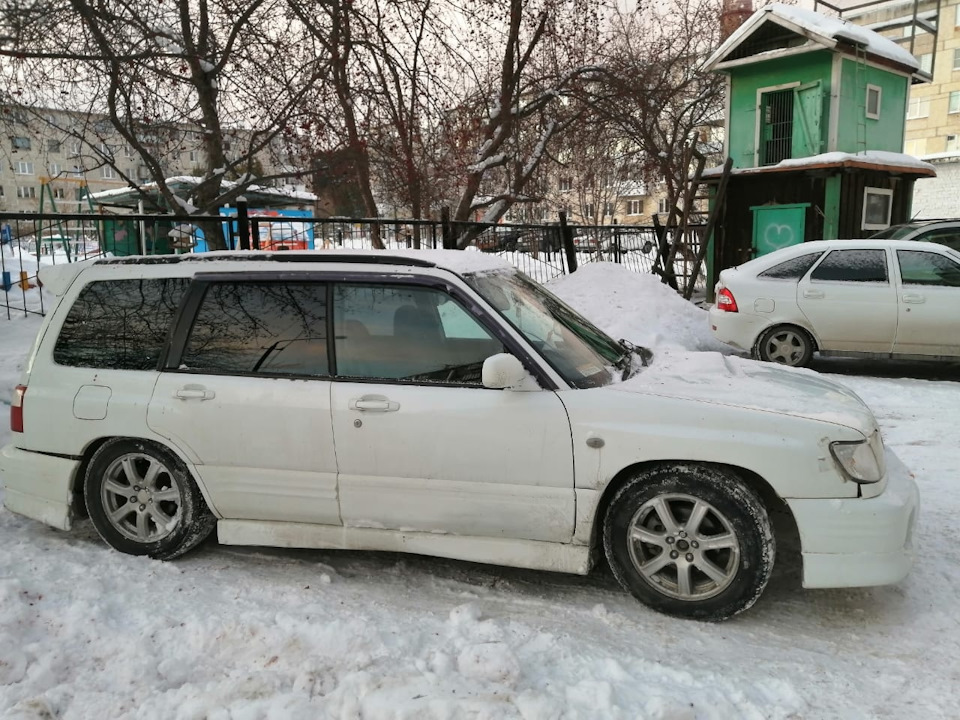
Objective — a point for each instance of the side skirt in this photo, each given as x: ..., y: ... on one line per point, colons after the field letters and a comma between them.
x: 533, y: 554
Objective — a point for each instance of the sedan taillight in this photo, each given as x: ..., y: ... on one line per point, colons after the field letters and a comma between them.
x: 16, y: 409
x: 726, y: 301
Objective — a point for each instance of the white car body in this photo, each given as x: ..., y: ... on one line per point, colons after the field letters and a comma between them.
x: 897, y: 317
x: 515, y: 477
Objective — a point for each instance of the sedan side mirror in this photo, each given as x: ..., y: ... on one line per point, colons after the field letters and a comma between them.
x: 503, y: 371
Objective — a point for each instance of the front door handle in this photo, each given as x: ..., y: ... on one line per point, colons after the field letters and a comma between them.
x: 814, y: 294
x: 373, y: 403
x: 914, y: 298
x: 194, y: 392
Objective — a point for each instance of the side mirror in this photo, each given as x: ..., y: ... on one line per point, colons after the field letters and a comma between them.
x: 503, y: 371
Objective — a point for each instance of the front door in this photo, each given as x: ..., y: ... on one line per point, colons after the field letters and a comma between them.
x: 247, y: 396
x: 421, y: 444
x: 850, y: 301
x: 929, y: 323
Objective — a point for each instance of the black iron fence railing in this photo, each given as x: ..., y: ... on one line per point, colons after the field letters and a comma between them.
x: 542, y: 251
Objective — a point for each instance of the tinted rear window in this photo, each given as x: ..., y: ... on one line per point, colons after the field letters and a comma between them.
x: 119, y: 324
x: 792, y: 269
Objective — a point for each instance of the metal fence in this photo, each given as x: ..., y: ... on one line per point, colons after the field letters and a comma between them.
x: 542, y: 251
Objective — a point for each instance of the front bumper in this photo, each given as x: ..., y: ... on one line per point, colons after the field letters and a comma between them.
x: 858, y: 542
x: 38, y: 485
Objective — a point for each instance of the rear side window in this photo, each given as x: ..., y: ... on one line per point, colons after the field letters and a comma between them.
x: 853, y: 266
x: 250, y: 328
x: 792, y: 269
x: 120, y: 324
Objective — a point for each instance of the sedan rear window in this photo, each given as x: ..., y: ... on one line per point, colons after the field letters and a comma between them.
x: 792, y: 269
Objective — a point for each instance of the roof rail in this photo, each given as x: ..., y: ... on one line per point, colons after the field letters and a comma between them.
x: 287, y: 257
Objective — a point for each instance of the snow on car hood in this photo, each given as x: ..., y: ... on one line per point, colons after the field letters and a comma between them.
x: 737, y: 382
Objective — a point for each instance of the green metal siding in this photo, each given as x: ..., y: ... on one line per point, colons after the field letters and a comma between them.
x: 885, y: 133
x: 746, y: 80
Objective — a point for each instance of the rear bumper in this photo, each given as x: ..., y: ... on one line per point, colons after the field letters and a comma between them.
x: 859, y: 542
x: 738, y: 329
x: 38, y: 486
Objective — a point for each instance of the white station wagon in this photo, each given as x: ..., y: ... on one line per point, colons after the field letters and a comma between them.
x: 868, y: 298
x: 438, y: 403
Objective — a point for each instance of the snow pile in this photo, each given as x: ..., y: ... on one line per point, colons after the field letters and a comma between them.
x: 635, y: 307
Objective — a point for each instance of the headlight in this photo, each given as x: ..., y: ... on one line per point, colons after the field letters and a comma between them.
x: 859, y: 460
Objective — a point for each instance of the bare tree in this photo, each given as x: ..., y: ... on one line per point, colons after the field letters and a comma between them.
x: 152, y: 78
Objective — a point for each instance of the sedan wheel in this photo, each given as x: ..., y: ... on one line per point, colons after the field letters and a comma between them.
x: 690, y: 540
x: 786, y: 345
x: 143, y: 501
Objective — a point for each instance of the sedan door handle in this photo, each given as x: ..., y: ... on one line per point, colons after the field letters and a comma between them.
x: 815, y: 294
x: 373, y: 403
x: 194, y: 392
x: 914, y: 298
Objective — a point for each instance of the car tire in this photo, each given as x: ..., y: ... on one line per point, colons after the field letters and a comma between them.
x: 786, y: 345
x: 143, y: 501
x: 655, y: 536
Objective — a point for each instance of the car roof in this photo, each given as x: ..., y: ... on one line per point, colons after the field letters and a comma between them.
x: 777, y: 256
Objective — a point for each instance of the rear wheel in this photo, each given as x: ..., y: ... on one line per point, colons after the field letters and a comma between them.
x: 690, y: 540
x: 143, y: 501
x: 786, y: 345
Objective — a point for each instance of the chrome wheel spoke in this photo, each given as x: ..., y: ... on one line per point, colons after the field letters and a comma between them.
x: 654, y: 566
x: 717, y: 542
x: 125, y: 492
x: 130, y: 470
x: 168, y: 495
x: 710, y: 570
x: 161, y: 519
x: 684, y: 583
x: 641, y: 534
x: 697, y: 515
x: 117, y: 515
x: 143, y: 526
x: 112, y: 486
x: 662, y: 508
x: 150, y: 478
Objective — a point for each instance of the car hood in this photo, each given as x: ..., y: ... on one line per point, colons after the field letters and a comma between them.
x: 736, y: 382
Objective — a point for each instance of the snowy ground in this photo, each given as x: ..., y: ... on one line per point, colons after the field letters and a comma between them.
x: 245, y: 634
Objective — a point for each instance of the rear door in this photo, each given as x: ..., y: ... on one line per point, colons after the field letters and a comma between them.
x: 929, y: 323
x: 246, y: 392
x: 850, y: 301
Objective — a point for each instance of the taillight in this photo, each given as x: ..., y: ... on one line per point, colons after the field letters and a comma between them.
x: 726, y: 301
x: 16, y: 409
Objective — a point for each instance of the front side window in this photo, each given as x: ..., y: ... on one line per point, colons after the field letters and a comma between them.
x: 578, y: 350
x: 852, y: 266
x: 260, y: 328
x: 792, y: 269
x: 408, y: 332
x: 119, y: 324
x: 926, y: 268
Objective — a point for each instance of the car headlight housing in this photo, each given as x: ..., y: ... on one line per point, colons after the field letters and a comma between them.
x: 862, y: 460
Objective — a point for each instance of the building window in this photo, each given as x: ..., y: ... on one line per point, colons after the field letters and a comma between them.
x: 108, y: 173
x: 663, y: 206
x: 634, y: 207
x: 127, y: 151
x: 877, y: 203
x: 956, y: 59
x: 776, y: 132
x: 953, y: 143
x: 918, y: 108
x: 53, y: 146
x: 566, y: 184
x: 915, y: 147
x: 194, y: 155
x: 1, y: 190
x: 24, y: 168
x: 608, y: 209
x: 926, y: 62
x: 59, y: 194
x: 954, y: 100
x: 54, y: 169
x: 20, y: 143
x: 26, y: 192
x: 874, y: 93
x: 75, y: 148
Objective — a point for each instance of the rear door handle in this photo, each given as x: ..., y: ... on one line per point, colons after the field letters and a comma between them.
x: 914, y: 298
x: 814, y: 294
x: 373, y: 403
x: 194, y: 392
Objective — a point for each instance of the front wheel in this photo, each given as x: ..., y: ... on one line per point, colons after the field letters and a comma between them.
x: 691, y: 541
x: 786, y: 345
x: 143, y: 501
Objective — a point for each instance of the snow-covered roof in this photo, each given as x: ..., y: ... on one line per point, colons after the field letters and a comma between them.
x: 819, y: 29
x: 183, y: 184
x: 870, y: 159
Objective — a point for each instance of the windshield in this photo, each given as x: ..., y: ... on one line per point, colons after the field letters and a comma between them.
x: 894, y: 232
x: 578, y: 350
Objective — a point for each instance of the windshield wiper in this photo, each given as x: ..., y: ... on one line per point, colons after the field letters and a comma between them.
x: 625, y: 363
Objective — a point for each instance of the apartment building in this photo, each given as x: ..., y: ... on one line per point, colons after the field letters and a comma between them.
x: 53, y: 159
x: 930, y: 29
